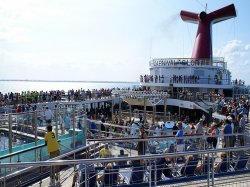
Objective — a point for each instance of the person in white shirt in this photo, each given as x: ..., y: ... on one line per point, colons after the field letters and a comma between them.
x: 187, y: 130
x: 158, y: 131
x: 199, y: 129
x: 48, y: 115
x: 134, y: 130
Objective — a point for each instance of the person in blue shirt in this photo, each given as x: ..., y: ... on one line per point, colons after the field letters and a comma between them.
x: 227, y: 131
x: 179, y: 142
x: 164, y: 130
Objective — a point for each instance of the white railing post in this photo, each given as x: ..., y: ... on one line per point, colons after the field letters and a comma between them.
x: 10, y: 134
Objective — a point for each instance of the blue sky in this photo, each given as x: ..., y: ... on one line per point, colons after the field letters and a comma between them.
x: 111, y: 40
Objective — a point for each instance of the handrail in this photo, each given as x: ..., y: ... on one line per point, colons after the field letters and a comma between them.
x: 23, y: 151
x: 150, y: 138
x: 20, y: 152
x: 55, y: 158
x: 73, y: 151
x: 39, y: 146
x: 119, y: 126
x: 115, y: 159
x: 32, y: 112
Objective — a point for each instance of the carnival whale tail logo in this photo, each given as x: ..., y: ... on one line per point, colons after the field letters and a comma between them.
x: 203, y: 41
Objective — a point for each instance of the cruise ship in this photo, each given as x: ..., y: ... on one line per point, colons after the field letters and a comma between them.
x: 100, y: 152
x: 192, y: 85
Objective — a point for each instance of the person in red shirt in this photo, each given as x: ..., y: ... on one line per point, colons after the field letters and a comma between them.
x: 19, y: 109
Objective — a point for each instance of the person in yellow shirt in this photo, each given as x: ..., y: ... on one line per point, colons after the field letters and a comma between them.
x: 105, y: 152
x: 53, y: 150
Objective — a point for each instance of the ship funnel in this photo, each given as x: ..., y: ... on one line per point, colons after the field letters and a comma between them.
x: 203, y: 41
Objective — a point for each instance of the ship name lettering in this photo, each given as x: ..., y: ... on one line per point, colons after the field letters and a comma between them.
x: 174, y: 62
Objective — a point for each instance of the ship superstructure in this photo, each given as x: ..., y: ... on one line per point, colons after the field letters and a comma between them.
x: 189, y: 83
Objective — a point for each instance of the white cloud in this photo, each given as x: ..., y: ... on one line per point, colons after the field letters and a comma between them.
x: 236, y: 54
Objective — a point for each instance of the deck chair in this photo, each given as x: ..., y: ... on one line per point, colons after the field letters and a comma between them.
x: 224, y: 166
x: 189, y: 168
x: 111, y: 177
x: 136, y: 163
x: 137, y: 175
x: 180, y: 160
x: 123, y: 162
x: 156, y: 171
x: 206, y: 165
x: 241, y: 163
x: 91, y: 179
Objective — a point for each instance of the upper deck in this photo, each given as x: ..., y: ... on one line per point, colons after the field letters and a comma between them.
x: 188, y: 72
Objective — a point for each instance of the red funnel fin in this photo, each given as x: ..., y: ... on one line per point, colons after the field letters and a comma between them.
x: 203, y: 42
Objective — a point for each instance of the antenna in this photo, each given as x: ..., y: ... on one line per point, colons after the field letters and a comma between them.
x: 206, y: 8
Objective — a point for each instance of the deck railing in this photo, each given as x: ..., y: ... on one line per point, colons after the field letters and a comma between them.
x: 191, y: 170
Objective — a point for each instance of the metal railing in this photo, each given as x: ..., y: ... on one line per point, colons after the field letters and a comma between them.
x: 25, y: 174
x: 31, y: 126
x: 149, y: 167
x: 160, y: 95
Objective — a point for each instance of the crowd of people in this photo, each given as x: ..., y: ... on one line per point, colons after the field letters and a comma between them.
x: 238, y: 82
x: 225, y: 130
x: 230, y: 130
x: 234, y: 106
x: 14, y: 98
x: 186, y: 79
x: 151, y: 78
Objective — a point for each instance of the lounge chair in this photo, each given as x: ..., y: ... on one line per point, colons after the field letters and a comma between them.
x: 111, y: 177
x: 224, y: 166
x: 156, y: 171
x: 241, y: 163
x: 137, y: 175
x: 91, y: 179
x: 189, y: 167
x: 206, y: 166
x: 123, y: 162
